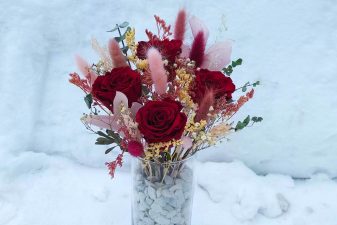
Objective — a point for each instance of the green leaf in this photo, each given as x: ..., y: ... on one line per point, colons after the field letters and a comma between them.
x: 166, y: 156
x: 113, y: 29
x: 110, y: 132
x: 237, y: 62
x: 115, y: 136
x: 244, y: 88
x: 125, y: 49
x: 246, y: 120
x: 104, y: 141
x: 145, y: 90
x: 127, y: 30
x: 88, y: 100
x: 100, y: 133
x: 239, y: 126
x: 124, y: 24
x: 257, y: 119
x: 256, y: 83
x: 228, y: 70
x: 110, y: 149
x: 119, y: 39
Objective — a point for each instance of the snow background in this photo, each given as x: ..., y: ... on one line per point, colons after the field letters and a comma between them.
x: 51, y: 173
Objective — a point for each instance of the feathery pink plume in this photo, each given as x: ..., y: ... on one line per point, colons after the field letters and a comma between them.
x: 198, y: 49
x: 117, y: 57
x: 204, y: 106
x: 180, y: 25
x: 197, y: 25
x: 217, y: 56
x: 84, y: 67
x: 158, y: 72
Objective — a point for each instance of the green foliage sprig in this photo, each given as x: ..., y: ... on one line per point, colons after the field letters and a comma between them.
x: 107, y: 138
x: 229, y: 69
x: 247, y: 122
x: 121, y: 37
x: 248, y: 84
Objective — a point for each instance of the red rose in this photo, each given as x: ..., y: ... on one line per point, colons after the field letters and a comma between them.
x: 212, y: 80
x: 122, y: 79
x: 161, y: 121
x: 169, y: 49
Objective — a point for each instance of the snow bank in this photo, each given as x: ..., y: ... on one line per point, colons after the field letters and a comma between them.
x: 40, y: 189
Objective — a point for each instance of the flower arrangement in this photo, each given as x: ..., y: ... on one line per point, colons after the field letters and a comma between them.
x: 163, y: 99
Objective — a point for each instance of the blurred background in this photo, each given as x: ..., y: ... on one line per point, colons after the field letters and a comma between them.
x: 289, y: 46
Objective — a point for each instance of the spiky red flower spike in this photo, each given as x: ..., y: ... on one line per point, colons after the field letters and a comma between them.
x: 180, y: 25
x: 113, y: 165
x: 198, y: 49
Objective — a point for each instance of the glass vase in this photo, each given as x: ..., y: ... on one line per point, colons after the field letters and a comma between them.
x: 162, y: 193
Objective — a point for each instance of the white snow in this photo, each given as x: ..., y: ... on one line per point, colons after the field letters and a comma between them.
x: 40, y: 189
x: 51, y: 173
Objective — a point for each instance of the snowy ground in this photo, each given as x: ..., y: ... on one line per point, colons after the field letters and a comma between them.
x: 40, y: 190
x: 50, y: 172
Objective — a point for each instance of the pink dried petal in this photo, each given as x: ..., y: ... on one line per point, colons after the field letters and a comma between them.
x: 134, y: 108
x: 217, y: 56
x: 185, y: 51
x: 119, y: 99
x: 102, y: 121
x: 198, y: 26
x: 187, y: 142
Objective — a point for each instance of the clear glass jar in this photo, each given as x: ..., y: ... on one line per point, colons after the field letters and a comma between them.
x: 162, y: 193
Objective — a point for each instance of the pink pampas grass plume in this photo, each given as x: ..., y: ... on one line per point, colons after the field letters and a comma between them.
x: 84, y: 67
x: 204, y: 106
x: 198, y: 49
x: 117, y: 57
x: 158, y: 72
x: 180, y: 25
